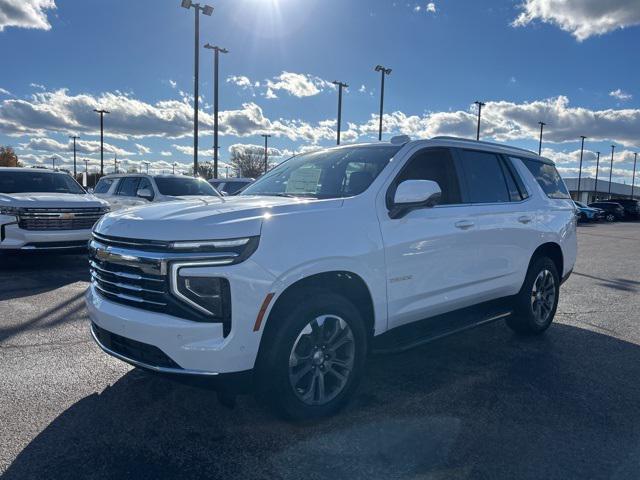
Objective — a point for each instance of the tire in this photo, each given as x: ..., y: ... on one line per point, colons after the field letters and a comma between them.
x: 321, y: 340
x: 610, y: 217
x: 536, y: 303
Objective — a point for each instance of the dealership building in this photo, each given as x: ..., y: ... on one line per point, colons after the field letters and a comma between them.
x: 588, y: 192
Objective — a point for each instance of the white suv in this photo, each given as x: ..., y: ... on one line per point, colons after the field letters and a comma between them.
x: 330, y: 256
x: 45, y: 210
x: 135, y: 189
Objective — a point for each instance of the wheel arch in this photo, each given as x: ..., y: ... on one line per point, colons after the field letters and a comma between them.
x: 554, y: 252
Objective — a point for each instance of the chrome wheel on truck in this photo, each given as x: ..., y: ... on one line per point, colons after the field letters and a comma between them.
x: 543, y: 296
x: 321, y: 360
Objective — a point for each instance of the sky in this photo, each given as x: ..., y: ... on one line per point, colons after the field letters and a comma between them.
x: 569, y: 63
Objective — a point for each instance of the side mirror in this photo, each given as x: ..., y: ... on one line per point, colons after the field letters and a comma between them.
x: 414, y: 194
x: 145, y: 193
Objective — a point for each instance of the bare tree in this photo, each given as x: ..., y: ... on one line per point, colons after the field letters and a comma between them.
x: 205, y: 170
x: 247, y: 163
x: 8, y: 157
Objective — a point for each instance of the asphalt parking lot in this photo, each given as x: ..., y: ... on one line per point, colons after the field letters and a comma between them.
x: 483, y: 404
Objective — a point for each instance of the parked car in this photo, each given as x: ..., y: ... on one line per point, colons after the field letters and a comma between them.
x: 45, y: 210
x: 329, y: 256
x: 231, y: 186
x: 612, y: 211
x: 130, y: 190
x: 631, y: 207
x: 588, y: 214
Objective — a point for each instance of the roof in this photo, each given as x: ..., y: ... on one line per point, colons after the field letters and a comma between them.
x: 149, y: 175
x: 27, y: 169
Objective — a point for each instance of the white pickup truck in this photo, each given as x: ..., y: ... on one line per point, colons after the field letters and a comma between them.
x: 45, y: 210
x: 330, y: 256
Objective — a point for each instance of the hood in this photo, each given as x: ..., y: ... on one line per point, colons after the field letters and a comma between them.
x: 211, y: 219
x: 51, y: 200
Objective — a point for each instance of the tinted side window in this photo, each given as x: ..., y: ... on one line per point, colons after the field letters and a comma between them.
x: 485, y: 180
x: 548, y: 178
x: 144, y: 183
x: 128, y: 186
x: 104, y: 184
x: 436, y: 165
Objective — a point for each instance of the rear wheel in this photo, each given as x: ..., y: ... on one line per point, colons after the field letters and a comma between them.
x: 314, y: 357
x: 610, y: 217
x: 537, y: 301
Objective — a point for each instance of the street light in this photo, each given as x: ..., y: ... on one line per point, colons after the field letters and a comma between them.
x: 597, y: 168
x: 174, y: 168
x: 206, y: 10
x: 542, y: 124
x: 115, y: 163
x: 480, y: 105
x: 340, y: 86
x: 633, y: 178
x: 147, y: 164
x: 53, y: 160
x: 613, y: 147
x: 217, y: 50
x: 101, y: 113
x: 266, y: 151
x: 383, y: 72
x: 74, y: 137
x: 580, y: 168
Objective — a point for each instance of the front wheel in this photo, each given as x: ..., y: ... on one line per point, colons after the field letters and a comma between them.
x: 610, y: 217
x: 536, y: 303
x: 315, y: 356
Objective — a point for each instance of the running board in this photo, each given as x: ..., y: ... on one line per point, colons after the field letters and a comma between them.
x: 407, y: 337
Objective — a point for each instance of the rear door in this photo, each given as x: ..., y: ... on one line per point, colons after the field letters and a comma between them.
x: 506, y: 225
x: 127, y: 192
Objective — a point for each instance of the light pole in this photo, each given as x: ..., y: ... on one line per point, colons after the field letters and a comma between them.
x: 115, y: 163
x: 74, y: 137
x: 542, y: 124
x: 86, y: 172
x: 480, y: 105
x: 53, y: 161
x: 597, y: 168
x: 266, y: 152
x: 147, y: 165
x: 580, y: 168
x: 633, y: 178
x: 340, y: 86
x: 383, y: 72
x: 173, y: 171
x: 101, y: 112
x: 613, y: 147
x: 217, y: 51
x: 206, y: 10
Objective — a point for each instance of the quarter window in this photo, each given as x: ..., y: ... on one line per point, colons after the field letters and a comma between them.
x: 548, y: 178
x: 436, y: 165
x: 485, y: 181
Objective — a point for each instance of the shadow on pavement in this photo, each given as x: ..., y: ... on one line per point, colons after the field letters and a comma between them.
x: 484, y: 404
x: 24, y: 274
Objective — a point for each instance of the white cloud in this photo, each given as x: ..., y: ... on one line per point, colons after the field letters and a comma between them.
x: 297, y: 84
x: 25, y: 14
x: 240, y: 81
x: 582, y: 18
x: 45, y: 144
x: 142, y: 149
x: 257, y: 149
x: 4, y: 91
x: 173, y: 83
x: 620, y: 95
x: 165, y: 153
x: 431, y: 7
x: 39, y: 86
x: 362, y: 89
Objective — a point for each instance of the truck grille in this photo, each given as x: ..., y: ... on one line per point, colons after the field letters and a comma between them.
x: 59, y: 218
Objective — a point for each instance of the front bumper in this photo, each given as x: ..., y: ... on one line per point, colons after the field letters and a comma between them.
x: 14, y: 238
x: 193, y: 347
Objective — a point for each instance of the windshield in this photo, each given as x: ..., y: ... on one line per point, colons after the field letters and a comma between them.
x: 38, y: 182
x: 335, y: 173
x: 177, y: 187
x: 581, y: 205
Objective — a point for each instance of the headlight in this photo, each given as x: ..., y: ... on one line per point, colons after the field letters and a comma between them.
x: 209, y: 295
x: 9, y: 210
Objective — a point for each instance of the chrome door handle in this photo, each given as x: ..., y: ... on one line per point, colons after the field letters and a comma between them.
x: 524, y: 219
x: 464, y: 224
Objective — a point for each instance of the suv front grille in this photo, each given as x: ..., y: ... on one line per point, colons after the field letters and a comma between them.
x: 59, y: 218
x: 140, y: 278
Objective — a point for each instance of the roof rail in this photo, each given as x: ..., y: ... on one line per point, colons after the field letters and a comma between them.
x: 482, y: 142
